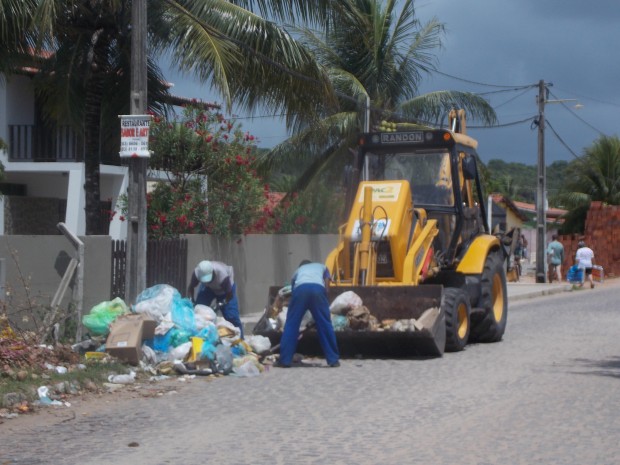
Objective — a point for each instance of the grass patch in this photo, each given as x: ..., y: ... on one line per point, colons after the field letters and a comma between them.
x: 27, y: 381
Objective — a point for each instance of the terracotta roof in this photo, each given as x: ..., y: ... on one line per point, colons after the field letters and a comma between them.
x: 500, y: 199
x: 531, y: 208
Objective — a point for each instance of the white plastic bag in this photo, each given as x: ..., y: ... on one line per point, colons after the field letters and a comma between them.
x: 344, y: 302
x: 207, y: 312
x: 259, y: 343
x: 156, y: 301
x: 123, y: 379
x: 180, y: 352
x: 247, y: 370
x: 203, y: 316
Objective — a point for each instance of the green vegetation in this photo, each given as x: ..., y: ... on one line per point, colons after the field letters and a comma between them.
x: 378, y: 50
x: 593, y: 177
x: 518, y: 180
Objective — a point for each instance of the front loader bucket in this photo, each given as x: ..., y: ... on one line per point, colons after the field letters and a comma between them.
x: 420, y: 306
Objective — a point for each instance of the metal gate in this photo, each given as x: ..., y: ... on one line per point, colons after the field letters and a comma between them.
x: 166, y: 264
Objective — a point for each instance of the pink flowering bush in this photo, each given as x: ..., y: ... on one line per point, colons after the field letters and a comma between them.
x: 213, y: 186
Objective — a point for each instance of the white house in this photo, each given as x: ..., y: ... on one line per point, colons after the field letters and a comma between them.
x: 47, y: 163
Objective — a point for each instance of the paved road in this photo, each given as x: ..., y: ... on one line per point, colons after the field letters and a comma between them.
x: 547, y: 394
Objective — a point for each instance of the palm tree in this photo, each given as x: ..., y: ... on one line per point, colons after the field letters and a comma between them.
x: 379, y: 53
x: 593, y: 177
x: 250, y: 60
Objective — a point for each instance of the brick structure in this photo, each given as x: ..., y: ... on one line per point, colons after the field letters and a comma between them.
x: 602, y: 235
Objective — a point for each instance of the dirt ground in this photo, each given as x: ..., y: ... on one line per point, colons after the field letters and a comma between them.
x: 91, y: 403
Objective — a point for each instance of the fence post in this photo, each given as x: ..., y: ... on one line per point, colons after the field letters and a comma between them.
x: 78, y: 294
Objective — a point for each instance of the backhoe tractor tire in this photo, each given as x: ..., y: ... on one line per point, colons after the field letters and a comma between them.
x: 491, y: 325
x: 456, y: 308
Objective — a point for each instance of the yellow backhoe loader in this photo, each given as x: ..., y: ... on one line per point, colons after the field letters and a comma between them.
x: 417, y: 248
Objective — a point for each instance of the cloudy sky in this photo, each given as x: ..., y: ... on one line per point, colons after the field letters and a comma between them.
x: 497, y: 48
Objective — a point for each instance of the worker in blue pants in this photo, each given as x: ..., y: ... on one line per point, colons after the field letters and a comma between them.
x: 215, y: 280
x: 309, y: 292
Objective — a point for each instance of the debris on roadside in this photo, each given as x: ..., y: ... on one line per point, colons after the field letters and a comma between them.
x: 162, y: 337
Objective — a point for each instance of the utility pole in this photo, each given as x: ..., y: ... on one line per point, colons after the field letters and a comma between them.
x: 541, y: 213
x: 135, y: 278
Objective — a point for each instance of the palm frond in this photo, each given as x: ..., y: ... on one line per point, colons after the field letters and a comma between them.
x: 434, y: 106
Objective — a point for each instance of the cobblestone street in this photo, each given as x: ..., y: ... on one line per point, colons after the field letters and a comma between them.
x: 546, y: 394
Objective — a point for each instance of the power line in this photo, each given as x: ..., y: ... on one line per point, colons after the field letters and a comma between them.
x: 590, y: 98
x: 513, y: 123
x: 482, y: 83
x: 560, y: 139
x: 577, y: 116
x: 511, y: 99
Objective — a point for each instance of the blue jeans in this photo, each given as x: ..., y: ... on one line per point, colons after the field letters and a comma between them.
x: 309, y: 297
x: 230, y: 311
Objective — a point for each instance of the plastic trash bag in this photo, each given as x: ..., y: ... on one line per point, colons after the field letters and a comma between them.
x: 123, y: 379
x: 102, y: 315
x: 247, y: 370
x: 206, y: 311
x: 207, y: 352
x: 156, y: 301
x: 238, y: 350
x: 340, y: 322
x: 259, y: 343
x: 223, y: 359
x: 209, y: 333
x: 180, y: 352
x: 344, y: 302
x: 178, y: 336
x: 160, y: 342
x: 183, y: 315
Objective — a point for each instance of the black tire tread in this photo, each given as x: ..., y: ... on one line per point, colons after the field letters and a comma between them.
x: 487, y: 329
x: 451, y: 298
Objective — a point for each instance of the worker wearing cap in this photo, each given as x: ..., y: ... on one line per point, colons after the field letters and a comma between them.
x: 215, y: 280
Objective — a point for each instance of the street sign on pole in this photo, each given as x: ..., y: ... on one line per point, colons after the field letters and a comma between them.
x: 135, y: 136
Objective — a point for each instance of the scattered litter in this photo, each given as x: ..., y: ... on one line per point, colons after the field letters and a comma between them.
x: 123, y: 379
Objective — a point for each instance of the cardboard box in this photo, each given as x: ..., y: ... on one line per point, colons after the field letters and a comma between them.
x: 126, y: 335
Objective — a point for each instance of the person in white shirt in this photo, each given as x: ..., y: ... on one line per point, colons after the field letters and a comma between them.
x: 584, y: 259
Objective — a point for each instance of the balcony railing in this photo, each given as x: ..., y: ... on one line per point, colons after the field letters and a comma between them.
x: 35, y: 143
x: 38, y: 143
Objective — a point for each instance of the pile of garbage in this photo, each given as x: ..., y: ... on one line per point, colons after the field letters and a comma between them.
x: 348, y: 313
x: 166, y: 331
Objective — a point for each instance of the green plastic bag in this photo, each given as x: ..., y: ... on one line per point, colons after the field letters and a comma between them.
x: 102, y: 315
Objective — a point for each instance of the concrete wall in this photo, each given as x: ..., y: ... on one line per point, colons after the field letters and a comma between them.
x: 259, y: 260
x: 35, y: 266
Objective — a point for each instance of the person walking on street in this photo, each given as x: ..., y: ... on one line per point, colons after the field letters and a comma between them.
x: 309, y: 292
x: 555, y: 253
x: 215, y: 280
x: 584, y: 259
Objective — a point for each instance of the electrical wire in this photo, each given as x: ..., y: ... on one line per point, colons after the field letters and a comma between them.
x: 513, y: 123
x: 547, y: 123
x: 590, y: 98
x: 510, y: 99
x: 601, y: 133
x: 482, y: 83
